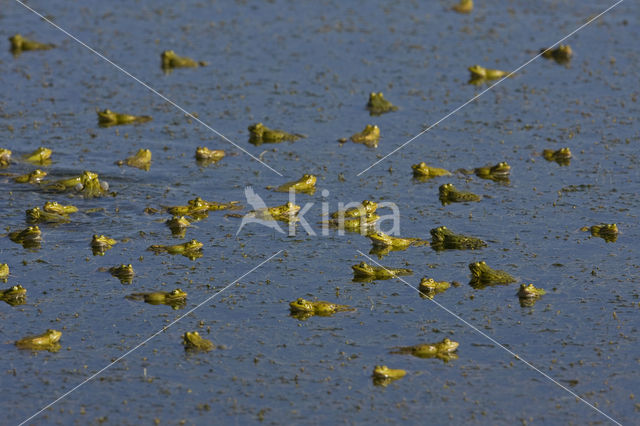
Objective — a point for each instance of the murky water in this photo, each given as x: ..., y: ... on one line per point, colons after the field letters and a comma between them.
x: 308, y: 68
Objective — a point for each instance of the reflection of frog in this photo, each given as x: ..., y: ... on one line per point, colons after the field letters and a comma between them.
x: 175, y: 298
x: 14, y: 295
x: 140, y: 160
x: 40, y: 156
x: 35, y: 176
x: 442, y: 350
x: 108, y: 118
x: 606, y: 231
x: 366, y: 271
x: 19, y: 44
x: 430, y: 287
x: 170, y: 60
x: 529, y: 294
x: 259, y: 134
x: 30, y: 237
x: 47, y: 341
x: 448, y: 193
x: 442, y: 238
x: 303, y: 309
x: 378, y: 105
x: 424, y: 172
x: 561, y: 156
x: 194, y: 342
x: 482, y: 275
x: 5, y: 157
x: 370, y: 136
x: 561, y: 54
x: 206, y: 155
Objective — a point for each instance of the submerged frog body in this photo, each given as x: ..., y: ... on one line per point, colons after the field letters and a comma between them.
x: 170, y: 60
x: 482, y: 275
x: 30, y: 237
x: 384, y: 240
x: 606, y: 231
x: 34, y: 177
x: 383, y: 375
x: 47, y: 341
x: 259, y: 134
x: 108, y: 118
x: 561, y: 54
x: 561, y: 156
x: 191, y: 249
x: 55, y: 207
x: 4, y: 271
x: 207, y: 155
x: 20, y: 44
x: 378, y: 105
x: 140, y: 160
x: 306, y: 184
x: 175, y: 298
x: 305, y: 308
x: 370, y: 136
x: 100, y: 244
x: 14, y: 295
x: 486, y: 73
x: 442, y: 238
x: 5, y: 157
x: 124, y: 273
x: 35, y: 215
x: 430, y: 287
x: 366, y: 271
x: 448, y: 193
x: 40, y: 156
x: 422, y: 171
x: 365, y: 207
x: 441, y: 349
x: 465, y: 6
x: 192, y: 341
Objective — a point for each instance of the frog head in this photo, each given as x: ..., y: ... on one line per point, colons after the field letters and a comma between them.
x: 478, y: 71
x: 478, y: 268
x: 53, y: 335
x: 447, y: 346
x: 301, y: 305
x: 193, y: 245
x: 177, y: 294
x: 380, y: 238
x: 363, y: 268
x: 15, y: 292
x: 34, y: 214
x: 428, y: 284
x: 440, y: 233
x: 257, y: 129
x: 501, y: 169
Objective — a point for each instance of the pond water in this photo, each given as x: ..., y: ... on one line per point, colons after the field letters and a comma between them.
x: 308, y: 67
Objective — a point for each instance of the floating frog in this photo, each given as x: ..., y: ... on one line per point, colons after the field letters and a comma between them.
x: 361, y: 224
x: 87, y: 184
x: 284, y: 213
x: 55, y: 207
x: 34, y: 177
x: 365, y: 207
x: 384, y: 240
x: 198, y: 208
x: 20, y: 44
x: 480, y: 72
x: 303, y: 309
x: 423, y: 172
x: 259, y: 134
x: 124, y: 273
x: 606, y: 231
x: 140, y: 160
x: 35, y: 215
x: 383, y: 375
x: 206, y: 155
x: 378, y: 105
x: 14, y: 295
x: 498, y: 172
x: 429, y: 287
x: 170, y: 60
x: 443, y: 238
x: 107, y: 118
x: 191, y: 249
x: 5, y: 157
x: 306, y: 184
x: 100, y: 244
x: 448, y: 193
x: 561, y: 54
x: 482, y: 275
x: 365, y: 271
x: 47, y: 341
x: 41, y: 155
x: 192, y: 341
x: 30, y: 237
x: 370, y: 136
x: 4, y: 272
x: 178, y: 225
x: 561, y: 156
x: 529, y: 294
x: 442, y: 350
x: 465, y: 6
x: 175, y: 298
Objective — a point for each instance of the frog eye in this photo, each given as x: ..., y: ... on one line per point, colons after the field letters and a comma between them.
x: 15, y: 288
x: 362, y: 264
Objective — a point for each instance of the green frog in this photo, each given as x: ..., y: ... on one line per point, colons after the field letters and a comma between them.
x: 384, y: 240
x: 198, y: 208
x: 285, y: 213
x: 55, y: 207
x: 424, y: 172
x: 529, y: 291
x: 170, y: 60
x: 429, y: 287
x: 378, y: 105
x: 305, y: 308
x: 365, y: 271
x: 30, y: 237
x: 140, y: 160
x: 4, y: 272
x: 35, y: 215
x: 306, y: 184
x: 191, y: 249
x: 124, y: 273
x: 498, y: 172
x: 465, y: 6
x: 361, y: 224
x: 47, y: 341
x: 175, y: 298
x: 443, y: 238
x: 383, y: 375
x: 259, y: 134
x: 90, y: 186
x: 108, y: 118
x: 5, y: 157
x: 41, y: 155
x: 448, y: 193
x: 561, y: 54
x: 101, y: 243
x: 606, y: 231
x: 370, y: 136
x: 480, y: 72
x: 178, y: 225
x: 561, y: 156
x: 206, y: 155
x: 14, y: 295
x: 365, y: 207
x: 34, y: 177
x: 441, y: 350
x: 20, y: 44
x: 482, y: 275
x: 192, y: 341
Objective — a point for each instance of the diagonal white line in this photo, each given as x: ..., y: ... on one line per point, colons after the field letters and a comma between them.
x: 491, y: 87
x: 151, y: 89
x: 499, y: 344
x: 97, y: 373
